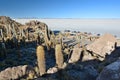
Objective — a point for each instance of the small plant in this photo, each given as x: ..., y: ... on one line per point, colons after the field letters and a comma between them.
x: 41, y: 60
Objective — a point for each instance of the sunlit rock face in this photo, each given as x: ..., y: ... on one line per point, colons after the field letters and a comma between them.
x: 104, y: 45
x: 75, y: 55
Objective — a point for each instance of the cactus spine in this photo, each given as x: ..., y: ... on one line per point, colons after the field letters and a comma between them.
x: 41, y: 60
x: 59, y: 55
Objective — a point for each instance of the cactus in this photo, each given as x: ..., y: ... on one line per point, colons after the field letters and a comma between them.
x: 59, y: 38
x: 38, y: 39
x: 59, y: 56
x: 3, y: 52
x: 13, y: 30
x: 41, y: 60
x: 23, y: 33
x: 9, y: 31
x: 52, y: 40
x: 23, y: 38
x: 47, y: 38
x: 28, y: 35
x: 61, y: 42
x: 1, y: 32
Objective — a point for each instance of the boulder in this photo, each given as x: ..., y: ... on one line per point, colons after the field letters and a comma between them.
x: 102, y: 46
x: 87, y: 57
x: 75, y: 55
x: 79, y: 54
x: 110, y: 72
x: 87, y: 73
x: 15, y: 72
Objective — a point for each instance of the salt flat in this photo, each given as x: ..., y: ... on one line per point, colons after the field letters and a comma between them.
x: 84, y: 25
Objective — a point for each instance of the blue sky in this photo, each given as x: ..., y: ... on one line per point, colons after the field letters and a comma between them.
x: 60, y: 8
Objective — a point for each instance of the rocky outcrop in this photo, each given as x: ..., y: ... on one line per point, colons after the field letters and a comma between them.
x: 16, y: 72
x: 104, y: 45
x: 79, y: 54
x: 110, y: 72
x: 75, y: 55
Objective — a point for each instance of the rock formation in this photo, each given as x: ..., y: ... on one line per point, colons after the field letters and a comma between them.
x: 103, y: 46
x: 16, y: 72
x: 110, y: 72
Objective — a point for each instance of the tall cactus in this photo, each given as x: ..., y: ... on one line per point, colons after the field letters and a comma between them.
x: 9, y: 31
x: 61, y: 40
x: 52, y: 39
x: 59, y: 56
x: 28, y: 35
x: 38, y: 39
x: 3, y: 52
x: 47, y: 38
x: 13, y: 30
x: 23, y: 33
x: 6, y: 28
x: 41, y: 60
x: 1, y: 32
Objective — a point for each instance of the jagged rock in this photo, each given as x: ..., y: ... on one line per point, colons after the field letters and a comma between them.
x: 15, y: 72
x: 102, y: 46
x: 75, y: 55
x: 110, y: 72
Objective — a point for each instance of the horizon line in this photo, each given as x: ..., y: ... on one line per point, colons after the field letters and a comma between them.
x: 63, y: 18
x: 60, y: 17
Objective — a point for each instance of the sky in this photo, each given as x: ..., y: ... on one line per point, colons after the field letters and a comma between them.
x: 60, y: 8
